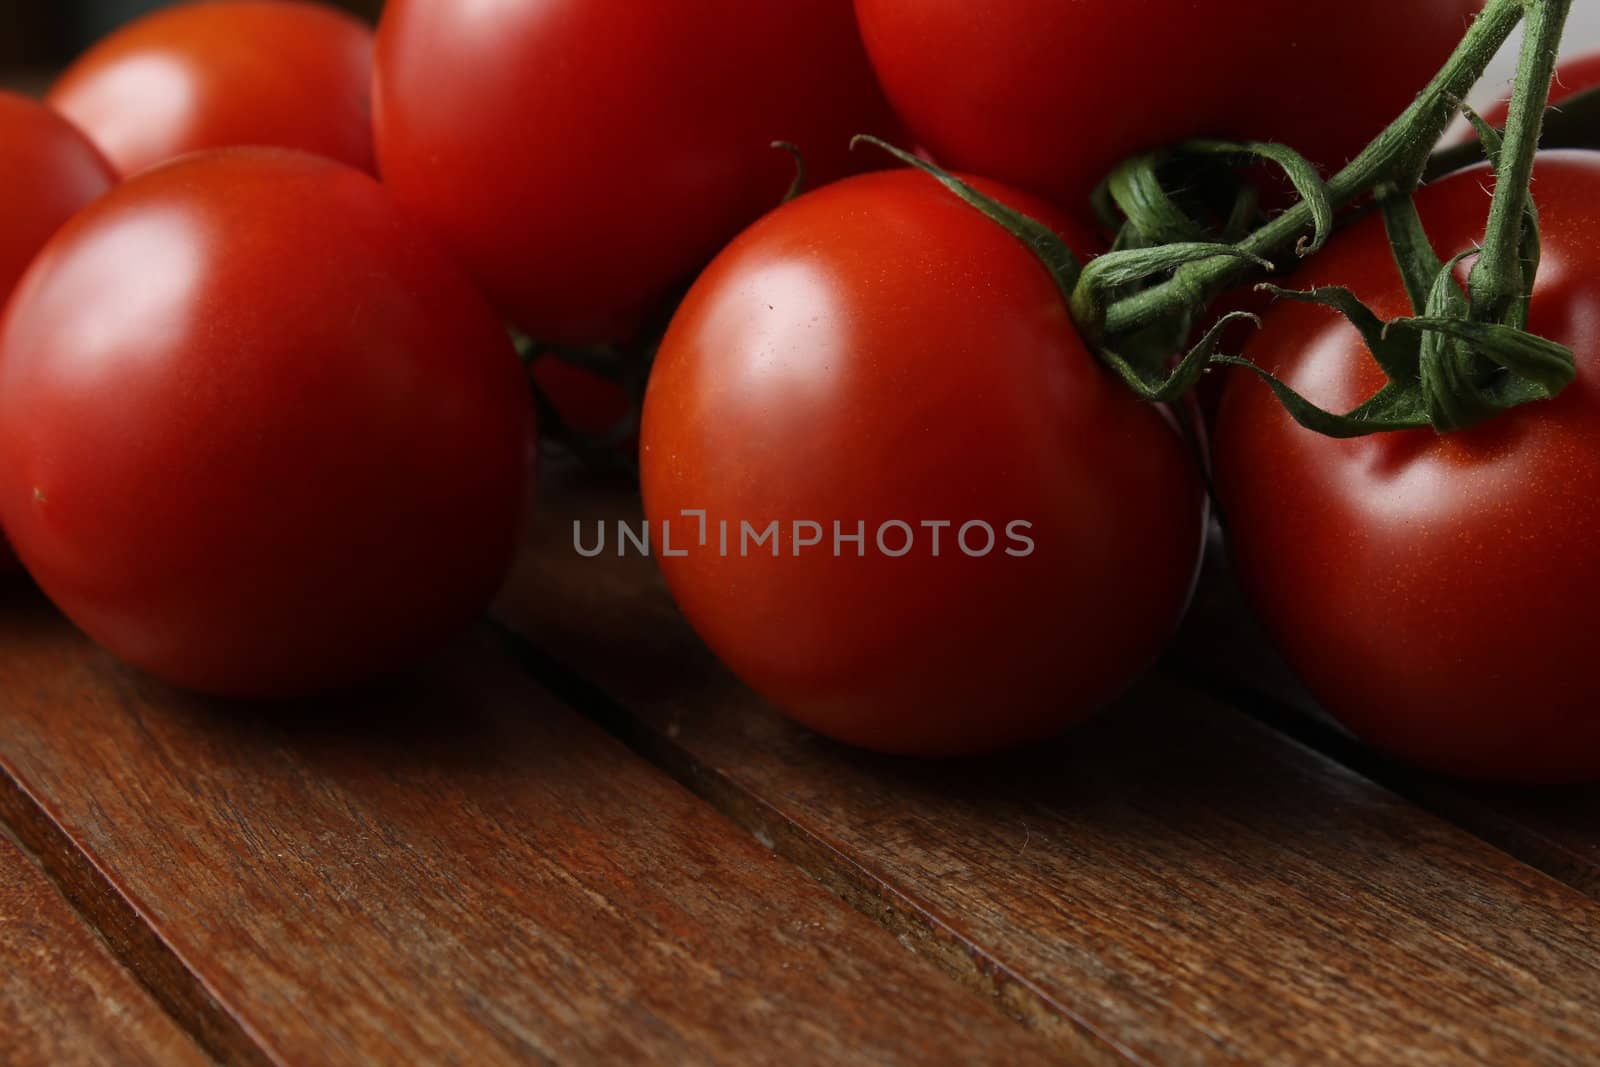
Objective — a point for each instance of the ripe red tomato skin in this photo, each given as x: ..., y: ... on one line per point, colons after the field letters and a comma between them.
x: 227, y: 73
x: 584, y: 157
x: 1438, y: 595
x: 258, y: 436
x: 877, y: 350
x: 49, y: 172
x: 1146, y: 73
x: 584, y: 400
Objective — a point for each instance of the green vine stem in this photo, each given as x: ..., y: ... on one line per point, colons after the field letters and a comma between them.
x: 1399, y: 155
x: 1497, y: 280
x: 1463, y: 356
x: 1573, y: 124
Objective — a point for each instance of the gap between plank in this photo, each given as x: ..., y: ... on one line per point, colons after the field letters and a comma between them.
x: 1510, y: 836
x: 119, y: 923
x: 8, y: 834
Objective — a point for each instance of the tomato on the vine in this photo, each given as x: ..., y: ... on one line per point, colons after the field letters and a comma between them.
x: 258, y: 435
x: 584, y: 157
x: 49, y: 172
x: 284, y: 73
x: 879, y: 355
x: 1052, y: 95
x: 1438, y: 594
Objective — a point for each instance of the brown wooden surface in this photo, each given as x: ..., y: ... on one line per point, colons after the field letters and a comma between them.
x: 1177, y: 879
x: 455, y: 868
x: 64, y: 998
x: 1225, y: 650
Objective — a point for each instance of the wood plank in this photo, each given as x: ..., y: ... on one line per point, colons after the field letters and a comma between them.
x: 64, y: 998
x: 1176, y: 878
x: 454, y: 868
x: 1225, y: 650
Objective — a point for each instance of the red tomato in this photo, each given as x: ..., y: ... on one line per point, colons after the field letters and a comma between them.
x: 878, y: 352
x: 1052, y: 95
x: 49, y: 172
x: 229, y: 72
x: 585, y: 156
x: 585, y: 401
x: 258, y: 435
x: 1438, y: 594
x: 1575, y: 75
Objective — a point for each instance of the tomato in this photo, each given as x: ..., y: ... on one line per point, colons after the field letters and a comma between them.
x: 598, y: 417
x: 879, y: 353
x: 258, y: 435
x: 1052, y: 95
x: 585, y: 401
x: 1437, y: 593
x: 224, y: 73
x: 1575, y: 75
x: 49, y: 172
x: 584, y: 157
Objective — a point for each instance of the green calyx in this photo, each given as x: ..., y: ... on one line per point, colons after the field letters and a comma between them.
x: 1190, y: 229
x: 1136, y: 203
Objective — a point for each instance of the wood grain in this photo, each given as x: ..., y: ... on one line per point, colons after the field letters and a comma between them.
x: 1224, y: 650
x: 451, y: 869
x: 1176, y: 879
x: 64, y: 999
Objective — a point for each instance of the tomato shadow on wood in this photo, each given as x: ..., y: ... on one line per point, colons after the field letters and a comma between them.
x: 604, y: 634
x: 1224, y: 651
x: 446, y: 713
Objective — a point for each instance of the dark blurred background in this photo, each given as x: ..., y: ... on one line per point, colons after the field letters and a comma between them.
x: 42, y: 35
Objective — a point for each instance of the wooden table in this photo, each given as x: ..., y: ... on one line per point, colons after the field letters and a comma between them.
x: 573, y: 838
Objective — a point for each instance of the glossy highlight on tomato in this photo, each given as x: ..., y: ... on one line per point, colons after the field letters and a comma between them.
x: 1438, y: 594
x: 258, y: 435
x: 1051, y: 95
x: 878, y: 352
x: 585, y: 157
x: 225, y: 73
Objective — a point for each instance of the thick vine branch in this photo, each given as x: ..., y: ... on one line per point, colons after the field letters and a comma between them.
x: 1497, y: 280
x: 1397, y: 156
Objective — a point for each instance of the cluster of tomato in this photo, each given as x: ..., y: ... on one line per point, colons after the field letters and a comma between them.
x: 263, y: 430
